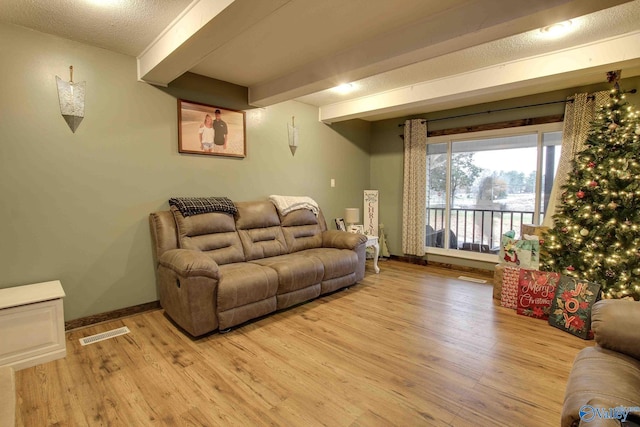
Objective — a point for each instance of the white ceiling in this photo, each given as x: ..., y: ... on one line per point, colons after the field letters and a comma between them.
x: 124, y: 26
x: 404, y: 56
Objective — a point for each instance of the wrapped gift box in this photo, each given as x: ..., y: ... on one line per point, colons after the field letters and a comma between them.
x: 523, y: 253
x: 536, y: 290
x: 533, y: 230
x: 509, y: 291
x: 498, y: 274
x: 571, y: 307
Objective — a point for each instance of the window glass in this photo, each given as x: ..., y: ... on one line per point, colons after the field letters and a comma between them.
x: 478, y: 189
x: 552, y: 145
x: 437, y: 170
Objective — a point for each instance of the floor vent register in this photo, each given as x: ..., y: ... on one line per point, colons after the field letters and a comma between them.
x: 104, y: 335
x: 472, y: 279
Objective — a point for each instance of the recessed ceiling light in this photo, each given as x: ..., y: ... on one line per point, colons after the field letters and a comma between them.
x: 557, y: 30
x: 344, y: 88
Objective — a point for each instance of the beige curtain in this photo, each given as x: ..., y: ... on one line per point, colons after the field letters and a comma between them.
x: 414, y: 187
x: 578, y: 116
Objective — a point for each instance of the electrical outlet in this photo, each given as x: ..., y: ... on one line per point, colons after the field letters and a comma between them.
x: 333, y: 182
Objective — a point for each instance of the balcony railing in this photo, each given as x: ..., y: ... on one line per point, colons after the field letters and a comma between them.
x: 477, y: 230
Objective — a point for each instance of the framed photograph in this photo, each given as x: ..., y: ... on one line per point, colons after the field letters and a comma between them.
x: 340, y: 224
x: 209, y: 130
x: 357, y: 229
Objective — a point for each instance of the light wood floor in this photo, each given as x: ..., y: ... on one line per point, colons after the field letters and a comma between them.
x: 411, y: 346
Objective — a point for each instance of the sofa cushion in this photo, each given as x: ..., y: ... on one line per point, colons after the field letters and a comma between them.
x: 601, y: 376
x: 256, y: 215
x: 615, y: 323
x: 301, y: 230
x: 294, y: 272
x: 259, y: 229
x: 245, y: 283
x: 336, y: 262
x: 212, y: 233
x: 262, y: 242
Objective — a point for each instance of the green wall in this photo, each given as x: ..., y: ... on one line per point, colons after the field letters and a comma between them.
x: 75, y: 206
x: 387, y: 150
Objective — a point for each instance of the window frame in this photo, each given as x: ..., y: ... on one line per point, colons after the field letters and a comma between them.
x: 540, y: 129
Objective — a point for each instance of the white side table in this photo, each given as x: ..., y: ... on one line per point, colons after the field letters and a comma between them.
x: 373, y: 241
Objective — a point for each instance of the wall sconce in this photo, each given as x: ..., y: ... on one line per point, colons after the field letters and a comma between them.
x: 293, y: 136
x: 71, y: 98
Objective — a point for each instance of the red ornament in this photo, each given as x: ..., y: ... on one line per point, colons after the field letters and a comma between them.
x: 593, y: 184
x: 591, y: 165
x: 565, y: 229
x: 571, y: 268
x: 580, y: 194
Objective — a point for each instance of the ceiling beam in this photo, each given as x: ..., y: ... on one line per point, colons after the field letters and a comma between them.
x: 507, y: 79
x: 470, y: 24
x: 201, y: 28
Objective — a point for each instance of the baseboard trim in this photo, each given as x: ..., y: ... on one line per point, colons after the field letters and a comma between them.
x: 409, y: 259
x: 422, y: 261
x: 110, y: 315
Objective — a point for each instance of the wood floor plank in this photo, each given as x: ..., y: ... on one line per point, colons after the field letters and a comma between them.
x: 413, y: 345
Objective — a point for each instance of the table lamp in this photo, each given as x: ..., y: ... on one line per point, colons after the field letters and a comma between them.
x: 351, y: 217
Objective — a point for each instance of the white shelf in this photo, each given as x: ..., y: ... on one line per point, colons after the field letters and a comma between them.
x: 32, y: 324
x: 29, y: 294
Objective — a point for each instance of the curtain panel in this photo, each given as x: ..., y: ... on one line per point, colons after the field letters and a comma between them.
x: 414, y: 187
x: 578, y: 116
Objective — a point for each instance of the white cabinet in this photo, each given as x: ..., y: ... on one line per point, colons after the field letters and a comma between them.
x: 31, y: 324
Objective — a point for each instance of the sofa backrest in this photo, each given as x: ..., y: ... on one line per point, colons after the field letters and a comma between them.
x: 302, y: 230
x: 257, y: 231
x: 258, y: 226
x: 212, y: 233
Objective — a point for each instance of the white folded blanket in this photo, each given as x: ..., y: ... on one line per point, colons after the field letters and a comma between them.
x: 286, y: 204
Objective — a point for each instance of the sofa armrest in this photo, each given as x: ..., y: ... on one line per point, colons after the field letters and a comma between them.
x: 342, y: 239
x: 190, y: 263
x: 615, y: 324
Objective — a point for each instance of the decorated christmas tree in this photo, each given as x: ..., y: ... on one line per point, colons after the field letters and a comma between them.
x: 596, y: 236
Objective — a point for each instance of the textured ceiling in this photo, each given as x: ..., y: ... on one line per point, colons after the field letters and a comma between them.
x: 304, y: 31
x: 295, y: 49
x: 124, y: 26
x: 596, y: 26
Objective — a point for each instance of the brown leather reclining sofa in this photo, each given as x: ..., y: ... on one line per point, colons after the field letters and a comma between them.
x: 604, y: 384
x: 217, y: 270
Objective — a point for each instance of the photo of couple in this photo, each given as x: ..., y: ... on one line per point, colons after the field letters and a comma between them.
x: 210, y: 130
x: 213, y: 132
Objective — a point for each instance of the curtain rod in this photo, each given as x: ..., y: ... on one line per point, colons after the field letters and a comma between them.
x: 591, y: 97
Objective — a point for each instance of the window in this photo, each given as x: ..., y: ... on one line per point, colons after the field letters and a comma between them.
x: 483, y: 184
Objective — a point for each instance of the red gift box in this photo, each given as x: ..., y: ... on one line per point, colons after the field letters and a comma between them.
x: 536, y: 290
